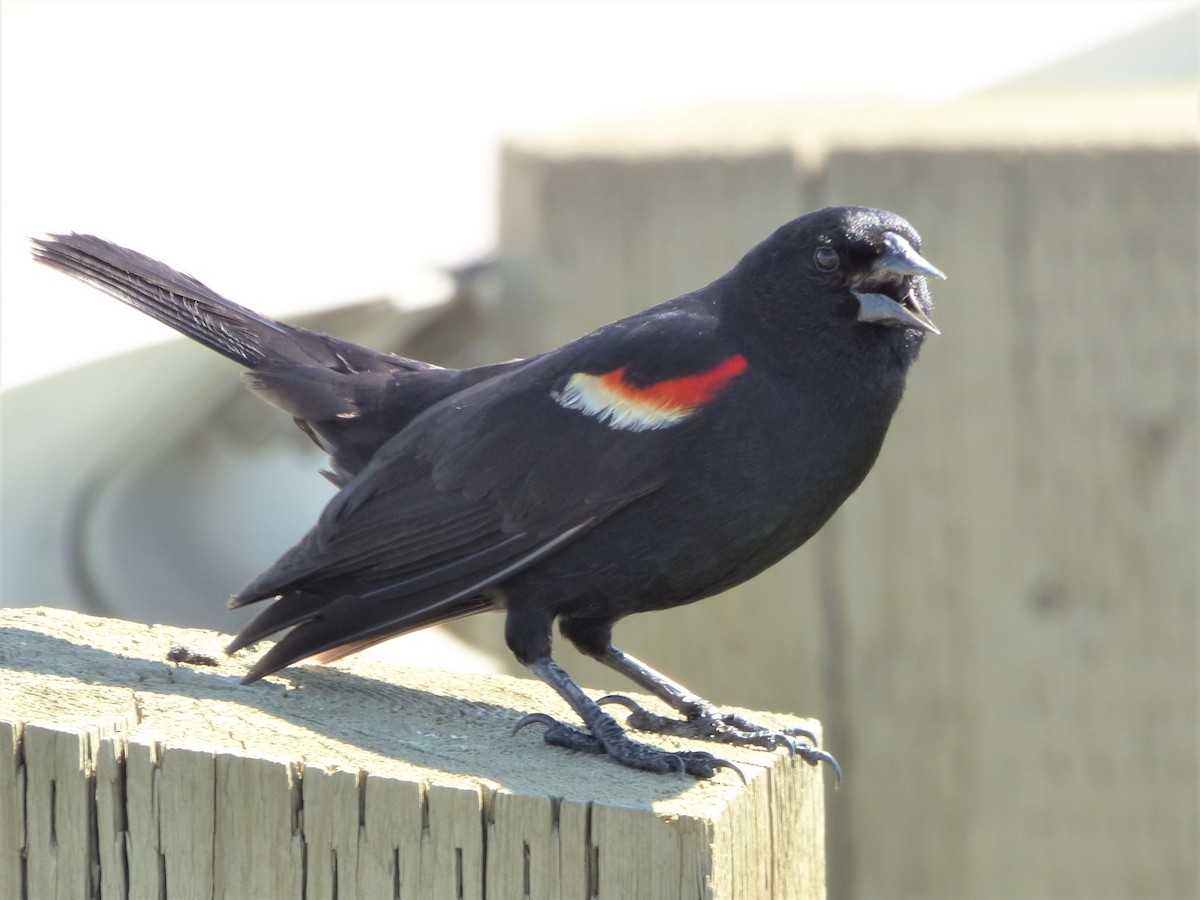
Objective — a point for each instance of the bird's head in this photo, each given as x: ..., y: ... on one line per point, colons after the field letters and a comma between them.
x: 843, y: 268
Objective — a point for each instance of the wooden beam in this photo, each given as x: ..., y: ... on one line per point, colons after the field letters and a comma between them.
x: 124, y: 774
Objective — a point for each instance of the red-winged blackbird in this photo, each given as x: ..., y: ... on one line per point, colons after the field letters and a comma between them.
x: 658, y: 460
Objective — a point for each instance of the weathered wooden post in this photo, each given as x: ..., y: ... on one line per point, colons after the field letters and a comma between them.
x: 124, y: 774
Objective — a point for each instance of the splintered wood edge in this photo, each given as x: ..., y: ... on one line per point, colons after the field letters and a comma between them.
x: 371, y: 739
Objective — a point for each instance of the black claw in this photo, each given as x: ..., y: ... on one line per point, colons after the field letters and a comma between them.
x: 620, y: 700
x: 532, y: 718
x: 718, y: 763
x: 814, y: 756
x: 784, y: 739
x: 698, y: 765
x: 797, y: 731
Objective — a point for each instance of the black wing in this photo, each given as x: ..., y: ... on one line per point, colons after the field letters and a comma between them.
x: 478, y: 488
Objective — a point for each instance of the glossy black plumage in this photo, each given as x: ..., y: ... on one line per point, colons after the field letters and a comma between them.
x: 658, y: 460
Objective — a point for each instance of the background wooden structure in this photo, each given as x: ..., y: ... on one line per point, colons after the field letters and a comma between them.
x: 999, y: 629
x: 125, y: 775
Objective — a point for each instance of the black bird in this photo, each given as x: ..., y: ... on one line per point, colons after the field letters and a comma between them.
x: 658, y: 460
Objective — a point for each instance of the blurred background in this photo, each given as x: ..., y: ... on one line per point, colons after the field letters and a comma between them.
x: 998, y: 631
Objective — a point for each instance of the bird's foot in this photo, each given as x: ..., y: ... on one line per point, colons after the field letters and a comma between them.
x: 610, y: 738
x: 706, y: 722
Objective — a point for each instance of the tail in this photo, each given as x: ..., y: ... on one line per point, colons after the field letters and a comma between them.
x: 200, y: 313
x: 349, y: 399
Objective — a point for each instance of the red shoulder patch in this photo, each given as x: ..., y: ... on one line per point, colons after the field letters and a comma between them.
x: 619, y: 404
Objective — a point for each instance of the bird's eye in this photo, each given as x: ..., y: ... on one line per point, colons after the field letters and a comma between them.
x: 826, y: 259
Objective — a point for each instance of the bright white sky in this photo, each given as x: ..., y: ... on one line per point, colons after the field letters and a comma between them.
x: 240, y: 140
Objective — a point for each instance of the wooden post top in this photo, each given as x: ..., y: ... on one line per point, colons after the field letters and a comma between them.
x: 382, y: 738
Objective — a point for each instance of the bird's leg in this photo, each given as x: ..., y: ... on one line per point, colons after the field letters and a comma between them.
x: 605, y: 734
x: 703, y: 720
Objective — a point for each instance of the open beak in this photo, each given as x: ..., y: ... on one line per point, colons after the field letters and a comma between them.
x: 887, y: 294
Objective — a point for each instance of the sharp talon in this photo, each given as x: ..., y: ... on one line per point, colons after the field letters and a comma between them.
x: 680, y: 765
x: 726, y: 764
x: 534, y: 718
x: 813, y: 756
x: 837, y: 771
x: 802, y: 733
x: 788, y: 742
x: 620, y: 700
